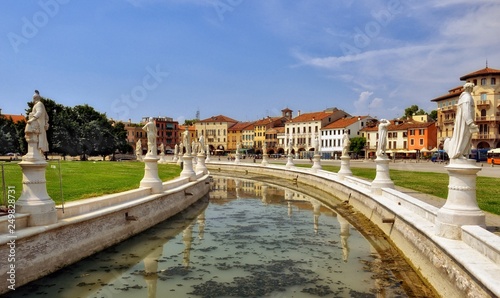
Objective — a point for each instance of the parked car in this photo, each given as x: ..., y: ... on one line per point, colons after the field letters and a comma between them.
x: 169, y: 151
x: 439, y: 156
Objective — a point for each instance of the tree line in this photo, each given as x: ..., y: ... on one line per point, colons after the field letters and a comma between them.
x: 73, y: 131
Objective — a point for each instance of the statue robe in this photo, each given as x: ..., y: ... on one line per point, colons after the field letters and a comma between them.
x: 460, y: 143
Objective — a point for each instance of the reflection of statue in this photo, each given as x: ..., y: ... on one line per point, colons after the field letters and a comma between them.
x: 346, y: 144
x: 382, y: 136
x: 458, y: 147
x: 38, y: 123
x: 150, y: 128
x: 202, y: 143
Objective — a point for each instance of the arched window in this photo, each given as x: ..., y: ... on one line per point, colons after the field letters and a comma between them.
x: 483, y: 113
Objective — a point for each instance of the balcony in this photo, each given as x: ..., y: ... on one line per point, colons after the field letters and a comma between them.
x: 485, y: 136
x: 483, y: 104
x: 448, y: 121
x: 449, y: 109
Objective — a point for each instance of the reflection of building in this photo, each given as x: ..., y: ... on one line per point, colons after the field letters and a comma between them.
x: 486, y: 97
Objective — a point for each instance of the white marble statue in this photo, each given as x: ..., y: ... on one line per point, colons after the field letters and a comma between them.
x: 346, y: 144
x: 150, y: 128
x: 201, y: 140
x: 458, y: 147
x: 238, y: 147
x: 138, y: 148
x: 181, y: 148
x: 162, y: 149
x: 264, y: 148
x: 38, y: 123
x: 382, y: 136
x: 290, y: 146
x: 316, y: 145
x: 176, y: 150
x: 186, y: 141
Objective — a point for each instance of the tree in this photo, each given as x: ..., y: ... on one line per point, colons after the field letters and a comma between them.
x: 190, y: 122
x: 357, y: 145
x: 413, y: 110
x: 434, y: 115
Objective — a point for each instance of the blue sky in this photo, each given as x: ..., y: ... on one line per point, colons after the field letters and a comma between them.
x: 245, y: 59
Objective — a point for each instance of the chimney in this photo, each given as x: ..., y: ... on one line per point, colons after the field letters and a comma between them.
x: 0, y: 111
x: 298, y: 113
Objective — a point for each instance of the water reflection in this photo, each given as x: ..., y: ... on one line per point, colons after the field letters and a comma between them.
x: 253, y: 239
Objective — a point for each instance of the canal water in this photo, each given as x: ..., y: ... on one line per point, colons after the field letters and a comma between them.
x: 249, y: 239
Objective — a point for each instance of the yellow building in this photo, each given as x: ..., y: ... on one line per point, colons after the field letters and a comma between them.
x: 235, y: 135
x: 215, y: 131
x: 486, y: 97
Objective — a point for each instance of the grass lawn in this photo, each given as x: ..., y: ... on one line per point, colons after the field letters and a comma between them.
x: 88, y: 179
x: 435, y: 184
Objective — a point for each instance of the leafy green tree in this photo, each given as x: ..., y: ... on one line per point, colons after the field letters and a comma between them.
x: 9, y: 141
x: 189, y: 122
x: 357, y: 144
x: 434, y: 115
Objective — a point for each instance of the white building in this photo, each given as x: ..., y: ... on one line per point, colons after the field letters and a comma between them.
x: 332, y: 134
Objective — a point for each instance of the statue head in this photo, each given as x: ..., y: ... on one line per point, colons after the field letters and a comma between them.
x: 36, y: 96
x: 468, y: 87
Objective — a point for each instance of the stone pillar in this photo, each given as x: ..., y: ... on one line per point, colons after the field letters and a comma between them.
x: 290, y: 163
x: 345, y: 167
x: 316, y: 163
x: 200, y: 166
x: 187, y: 169
x: 382, y: 178
x: 34, y: 198
x: 151, y: 178
x: 265, y: 161
x: 461, y: 205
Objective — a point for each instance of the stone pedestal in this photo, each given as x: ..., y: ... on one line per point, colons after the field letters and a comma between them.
x: 461, y: 205
x: 316, y: 163
x: 207, y: 160
x: 382, y: 178
x: 200, y: 166
x: 151, y: 178
x: 265, y: 161
x: 345, y: 167
x: 237, y: 159
x: 290, y: 163
x: 187, y: 169
x: 34, y: 198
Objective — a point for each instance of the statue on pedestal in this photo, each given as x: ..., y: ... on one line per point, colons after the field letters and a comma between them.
x: 201, y: 140
x: 185, y: 139
x: 290, y: 146
x: 458, y: 147
x: 150, y: 128
x: 346, y: 144
x: 138, y: 150
x: 37, y: 125
x: 316, y: 145
x: 382, y: 136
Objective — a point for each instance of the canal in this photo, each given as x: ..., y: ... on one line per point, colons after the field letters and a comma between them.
x: 248, y: 238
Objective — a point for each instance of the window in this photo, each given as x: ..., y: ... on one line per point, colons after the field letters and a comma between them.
x: 421, y: 132
x: 421, y: 142
x: 483, y: 81
x: 412, y: 142
x: 493, y: 81
x: 483, y: 96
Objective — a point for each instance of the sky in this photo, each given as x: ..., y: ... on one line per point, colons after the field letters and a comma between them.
x: 245, y: 59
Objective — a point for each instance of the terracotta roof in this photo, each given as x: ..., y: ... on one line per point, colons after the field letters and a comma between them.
x: 403, y: 126
x: 482, y: 72
x: 315, y: 116
x: 251, y: 126
x: 15, y: 118
x: 344, y: 122
x: 183, y: 128
x: 239, y: 126
x: 219, y: 118
x: 280, y: 129
x: 451, y: 93
x: 268, y: 120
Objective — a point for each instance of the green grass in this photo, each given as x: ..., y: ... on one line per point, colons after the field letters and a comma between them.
x: 435, y: 184
x: 88, y: 179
